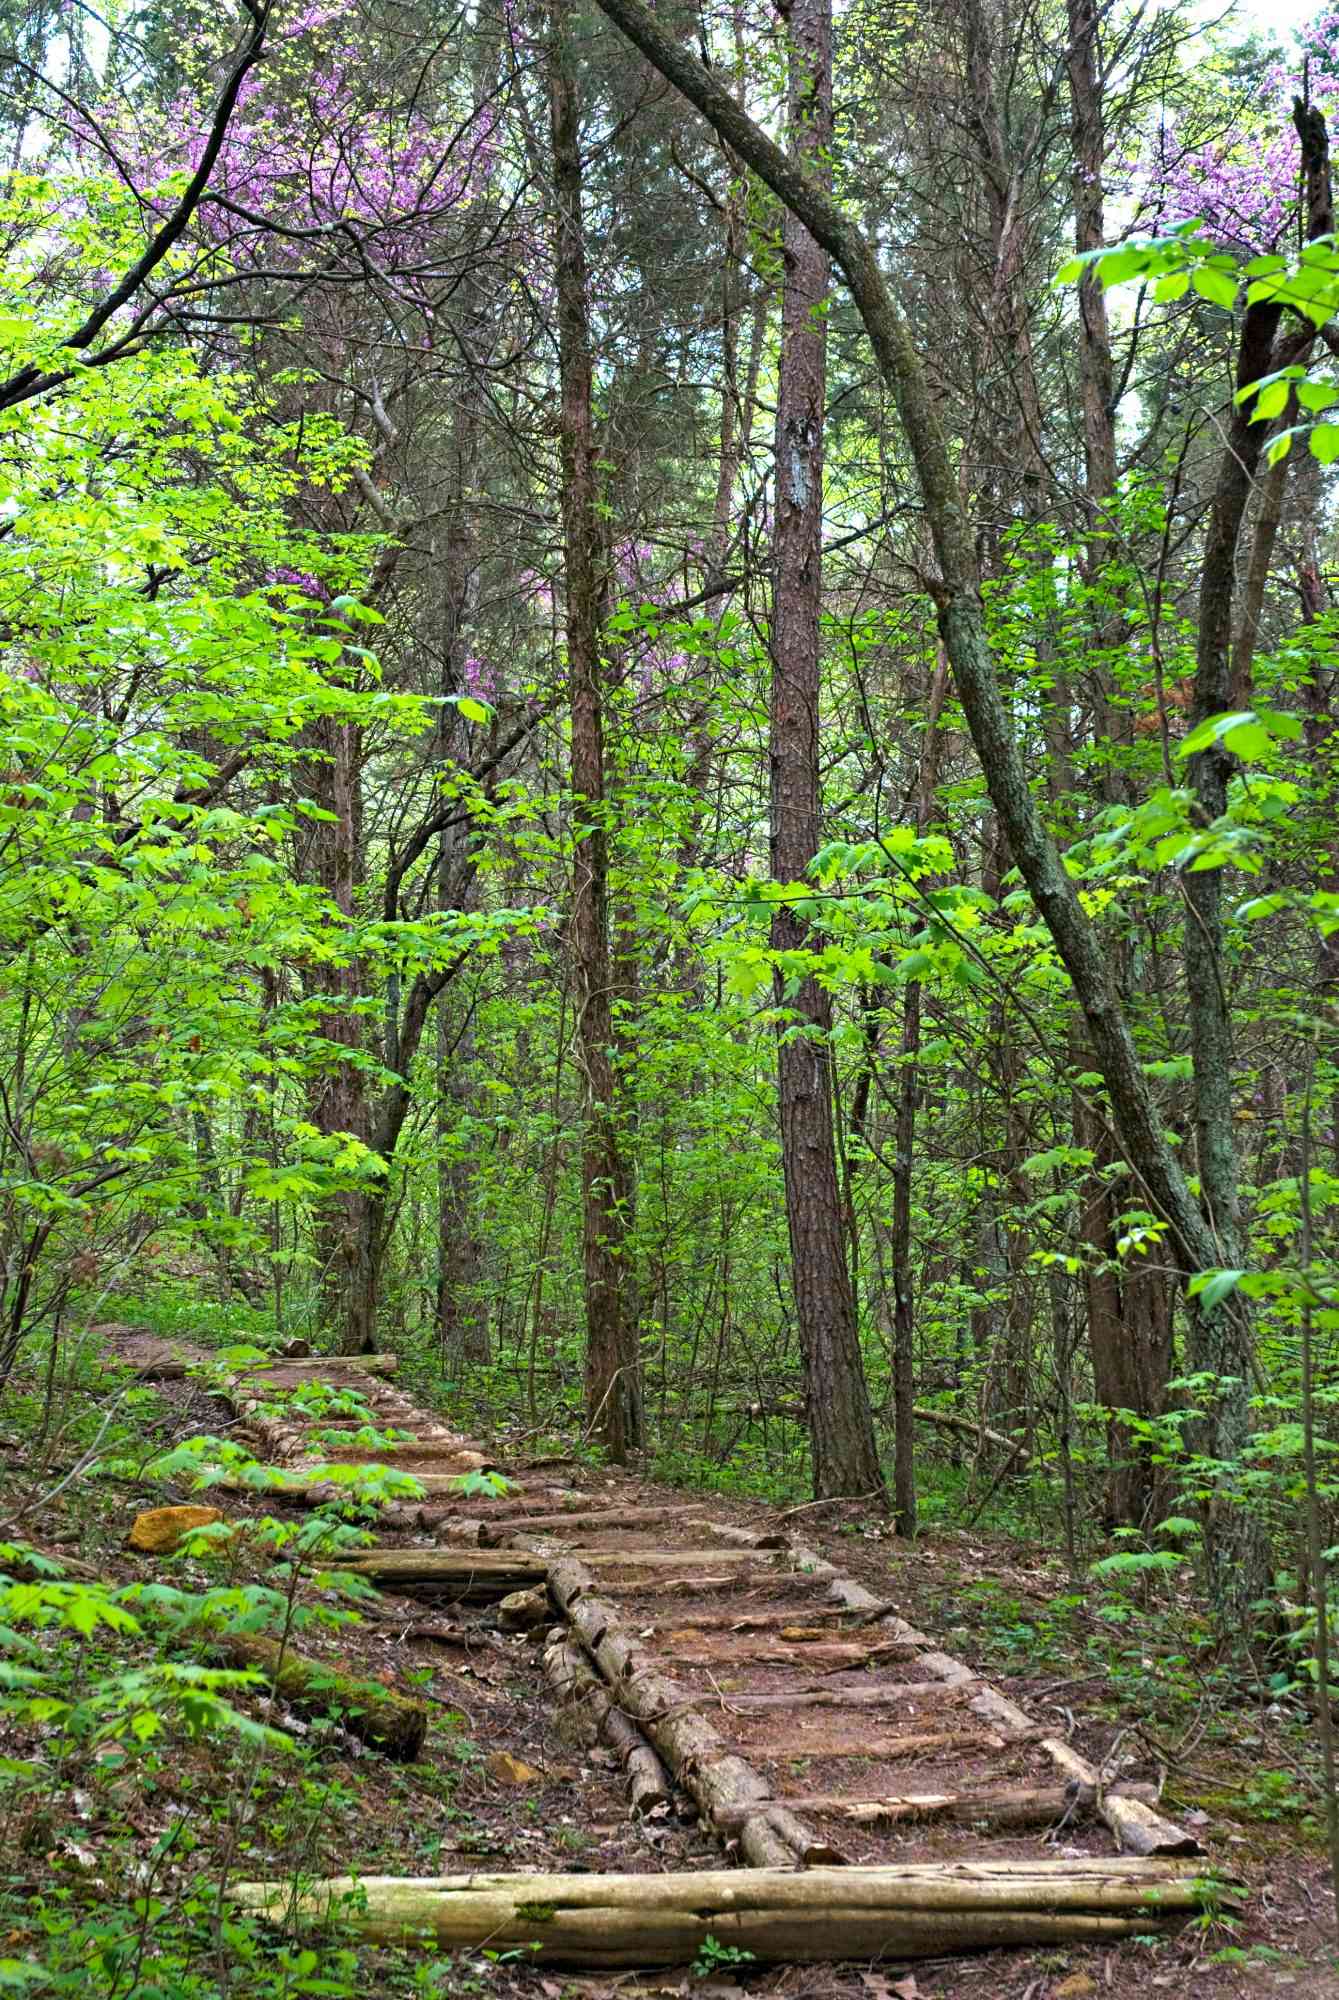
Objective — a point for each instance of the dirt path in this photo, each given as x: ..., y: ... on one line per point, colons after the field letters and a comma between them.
x: 800, y: 1715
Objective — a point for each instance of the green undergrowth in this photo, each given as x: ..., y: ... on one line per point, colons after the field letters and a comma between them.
x: 137, y: 1776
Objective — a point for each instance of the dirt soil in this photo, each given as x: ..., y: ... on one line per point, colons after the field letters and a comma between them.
x: 506, y: 1782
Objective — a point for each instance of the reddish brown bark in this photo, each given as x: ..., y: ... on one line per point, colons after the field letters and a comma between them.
x: 613, y: 1373
x: 841, y: 1425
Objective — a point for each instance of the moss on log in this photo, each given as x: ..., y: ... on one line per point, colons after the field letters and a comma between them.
x: 778, y: 1915
x: 375, y: 1714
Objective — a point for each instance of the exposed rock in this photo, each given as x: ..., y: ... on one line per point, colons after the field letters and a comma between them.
x: 163, y: 1529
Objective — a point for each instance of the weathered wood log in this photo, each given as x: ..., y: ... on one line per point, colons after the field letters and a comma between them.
x: 777, y: 1915
x: 786, y: 1624
x: 679, y: 1587
x: 814, y: 1650
x: 1138, y: 1828
x: 649, y: 1783
x: 1008, y: 1806
x: 525, y: 1610
x: 313, y: 1367
x: 883, y: 1694
x: 711, y: 1773
x: 897, y: 1749
x: 748, y: 1538
x: 472, y: 1574
x: 738, y: 1560
x: 607, y: 1520
x: 949, y: 1420
x: 510, y: 1569
x: 375, y: 1714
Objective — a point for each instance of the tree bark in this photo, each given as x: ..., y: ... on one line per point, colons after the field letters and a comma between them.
x: 841, y: 1424
x: 613, y: 1366
x: 904, y: 1146
x: 777, y: 1915
x: 1138, y: 1124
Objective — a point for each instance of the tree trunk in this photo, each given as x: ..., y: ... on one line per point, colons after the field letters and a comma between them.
x: 776, y: 1915
x: 908, y: 1092
x: 1135, y: 1111
x: 613, y: 1365
x: 841, y: 1425
x: 339, y: 1096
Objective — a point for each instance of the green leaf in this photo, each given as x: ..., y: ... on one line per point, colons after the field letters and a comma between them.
x: 1212, y: 1287
x: 1271, y: 402
x: 1324, y: 442
x: 472, y: 710
x: 1215, y: 286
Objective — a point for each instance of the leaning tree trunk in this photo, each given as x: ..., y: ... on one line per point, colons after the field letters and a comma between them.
x: 841, y: 1425
x: 1135, y: 1112
x: 613, y: 1367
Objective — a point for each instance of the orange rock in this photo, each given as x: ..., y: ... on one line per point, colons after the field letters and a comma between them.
x: 510, y: 1770
x: 162, y: 1529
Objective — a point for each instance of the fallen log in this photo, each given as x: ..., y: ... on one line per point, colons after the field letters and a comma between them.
x: 1018, y: 1805
x: 375, y: 1714
x: 711, y: 1773
x: 649, y: 1783
x: 776, y: 1915
x: 949, y: 1420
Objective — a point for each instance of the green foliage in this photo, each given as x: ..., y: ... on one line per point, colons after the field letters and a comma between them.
x: 713, y: 1958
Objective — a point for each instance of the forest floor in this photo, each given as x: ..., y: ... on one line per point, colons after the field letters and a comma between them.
x: 502, y: 1785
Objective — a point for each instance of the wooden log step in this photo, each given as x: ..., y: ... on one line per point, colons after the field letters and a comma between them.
x: 521, y: 1566
x: 884, y: 1694
x: 795, y: 1626
x: 466, y: 1572
x: 604, y: 1520
x: 817, y: 1649
x: 1138, y: 1828
x: 443, y: 1449
x: 1006, y: 1806
x: 678, y: 1587
x: 776, y: 1915
x: 315, y: 1367
x: 947, y: 1743
x: 768, y: 1584
x: 738, y: 1560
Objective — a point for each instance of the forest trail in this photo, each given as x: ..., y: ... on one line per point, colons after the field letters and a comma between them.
x: 731, y: 1670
